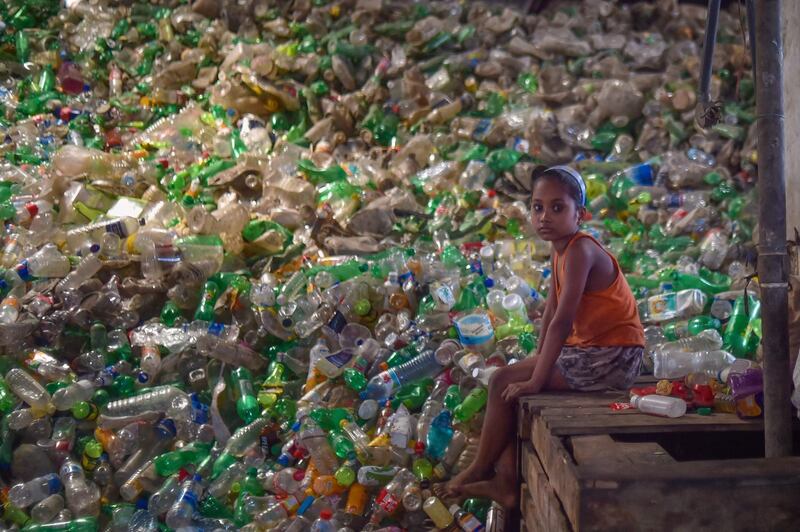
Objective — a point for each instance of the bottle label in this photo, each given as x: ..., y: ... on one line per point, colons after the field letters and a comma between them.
x: 118, y: 228
x: 445, y: 296
x: 337, y: 322
x: 662, y: 306
x: 469, y: 523
x: 388, y: 501
x: 475, y: 329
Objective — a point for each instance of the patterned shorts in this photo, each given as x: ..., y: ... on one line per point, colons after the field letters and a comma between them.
x: 600, y: 368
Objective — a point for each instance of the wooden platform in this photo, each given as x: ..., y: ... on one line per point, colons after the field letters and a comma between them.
x: 584, y: 466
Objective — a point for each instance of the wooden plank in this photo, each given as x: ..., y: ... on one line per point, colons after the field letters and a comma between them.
x: 642, y: 423
x: 601, y: 449
x: 751, y: 494
x: 559, y: 468
x: 530, y: 406
x: 547, y: 514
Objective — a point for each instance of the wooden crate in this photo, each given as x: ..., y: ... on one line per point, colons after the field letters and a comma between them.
x: 586, y: 467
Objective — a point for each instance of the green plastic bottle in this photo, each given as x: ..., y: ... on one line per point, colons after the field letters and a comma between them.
x: 354, y: 379
x: 452, y: 397
x: 319, y: 175
x: 739, y: 337
x: 471, y: 405
x: 681, y: 329
x: 171, y: 462
x: 246, y: 404
x: 503, y: 159
x: 205, y: 310
x: 7, y: 399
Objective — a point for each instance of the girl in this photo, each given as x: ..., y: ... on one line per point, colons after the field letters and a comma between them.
x: 591, y: 337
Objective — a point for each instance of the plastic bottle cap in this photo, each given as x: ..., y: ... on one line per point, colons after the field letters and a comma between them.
x: 299, y: 475
x: 326, y: 514
x: 488, y: 282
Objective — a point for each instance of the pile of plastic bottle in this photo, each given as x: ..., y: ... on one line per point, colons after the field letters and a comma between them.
x: 261, y: 259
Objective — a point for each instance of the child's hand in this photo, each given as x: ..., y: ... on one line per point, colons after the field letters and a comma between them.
x: 517, y: 389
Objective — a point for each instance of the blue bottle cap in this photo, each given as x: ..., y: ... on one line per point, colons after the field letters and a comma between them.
x: 488, y: 282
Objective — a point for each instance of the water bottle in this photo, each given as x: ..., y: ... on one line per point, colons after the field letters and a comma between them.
x: 325, y: 523
x: 315, y: 441
x: 85, y: 270
x: 123, y: 227
x: 163, y: 499
x: 184, y: 509
x: 66, y: 398
x: 24, y: 494
x: 47, y: 509
x: 708, y: 340
x: 672, y: 305
x: 659, y: 405
x: 47, y: 262
x: 678, y: 364
x: 400, y: 428
x: 157, y: 399
x: 28, y: 389
x: 382, y: 385
x: 82, y: 495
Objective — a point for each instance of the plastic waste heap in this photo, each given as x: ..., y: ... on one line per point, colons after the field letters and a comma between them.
x: 261, y: 259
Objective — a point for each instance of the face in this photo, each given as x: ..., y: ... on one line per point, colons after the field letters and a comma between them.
x: 554, y: 212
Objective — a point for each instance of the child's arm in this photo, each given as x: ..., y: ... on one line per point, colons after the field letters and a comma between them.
x: 577, y: 269
x: 547, y: 316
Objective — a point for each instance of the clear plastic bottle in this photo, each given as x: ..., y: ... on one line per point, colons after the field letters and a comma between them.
x: 28, y: 389
x: 678, y: 364
x: 315, y: 441
x: 123, y: 227
x: 85, y: 270
x: 46, y: 510
x: 659, y: 405
x: 423, y: 365
x: 83, y: 496
x: 46, y: 262
x: 157, y: 399
x: 66, y: 398
x: 325, y: 523
x: 9, y: 306
x: 673, y: 305
x: 35, y: 490
x: 184, y: 509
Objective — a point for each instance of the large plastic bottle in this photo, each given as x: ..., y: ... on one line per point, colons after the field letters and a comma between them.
x: 35, y: 490
x: 184, y: 509
x: 383, y: 384
x: 678, y: 364
x: 82, y: 495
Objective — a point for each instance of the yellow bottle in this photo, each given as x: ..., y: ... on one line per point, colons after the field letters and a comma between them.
x: 438, y: 513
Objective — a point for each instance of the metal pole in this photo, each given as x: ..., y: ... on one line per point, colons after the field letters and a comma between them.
x: 772, y: 256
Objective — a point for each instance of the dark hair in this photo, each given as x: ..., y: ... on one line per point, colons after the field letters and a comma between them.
x: 544, y: 172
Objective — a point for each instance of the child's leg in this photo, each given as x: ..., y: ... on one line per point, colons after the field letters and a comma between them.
x: 499, y: 424
x: 502, y: 488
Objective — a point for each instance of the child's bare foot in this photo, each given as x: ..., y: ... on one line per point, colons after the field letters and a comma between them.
x: 502, y: 490
x: 452, y: 488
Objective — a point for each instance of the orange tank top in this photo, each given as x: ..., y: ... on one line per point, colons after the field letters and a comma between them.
x: 607, y: 317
